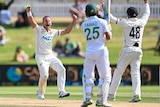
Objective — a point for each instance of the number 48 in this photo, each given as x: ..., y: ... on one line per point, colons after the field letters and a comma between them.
x: 135, y: 32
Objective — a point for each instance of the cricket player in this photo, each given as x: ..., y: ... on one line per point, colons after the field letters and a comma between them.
x: 131, y: 54
x: 44, y: 54
x: 96, y: 31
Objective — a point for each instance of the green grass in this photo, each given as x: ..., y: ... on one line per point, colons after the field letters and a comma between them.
x: 25, y: 38
x: 150, y: 94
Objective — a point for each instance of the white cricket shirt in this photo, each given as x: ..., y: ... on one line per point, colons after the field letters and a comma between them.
x: 133, y: 28
x: 94, y: 29
x: 44, y: 40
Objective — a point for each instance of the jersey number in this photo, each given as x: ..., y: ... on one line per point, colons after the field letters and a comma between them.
x: 94, y: 32
x: 135, y: 32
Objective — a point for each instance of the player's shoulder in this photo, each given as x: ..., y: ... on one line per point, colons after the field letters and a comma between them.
x: 102, y: 21
x: 37, y: 27
x: 94, y: 19
x: 124, y: 21
x: 86, y: 21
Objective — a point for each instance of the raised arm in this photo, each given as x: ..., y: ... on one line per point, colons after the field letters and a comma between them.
x: 146, y: 10
x: 102, y: 3
x: 145, y: 1
x: 30, y: 17
x: 9, y: 4
x: 70, y: 26
x: 112, y: 18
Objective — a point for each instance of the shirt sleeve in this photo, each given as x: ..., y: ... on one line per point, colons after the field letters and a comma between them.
x: 59, y: 32
x: 121, y: 22
x: 146, y: 14
x: 113, y: 19
x: 106, y: 26
x: 36, y: 28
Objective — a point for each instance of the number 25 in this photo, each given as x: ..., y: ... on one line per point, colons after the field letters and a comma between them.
x: 94, y: 32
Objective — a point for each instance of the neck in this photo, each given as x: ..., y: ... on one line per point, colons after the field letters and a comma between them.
x: 48, y: 28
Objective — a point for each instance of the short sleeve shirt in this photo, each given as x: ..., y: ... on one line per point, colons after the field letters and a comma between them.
x: 94, y: 31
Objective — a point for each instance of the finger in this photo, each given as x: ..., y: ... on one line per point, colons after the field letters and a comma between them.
x: 74, y: 16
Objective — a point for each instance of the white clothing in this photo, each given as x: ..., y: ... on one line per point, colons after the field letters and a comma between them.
x: 45, y: 59
x: 44, y: 40
x: 94, y: 33
x: 97, y: 54
x: 5, y: 17
x: 131, y: 54
x: 133, y: 28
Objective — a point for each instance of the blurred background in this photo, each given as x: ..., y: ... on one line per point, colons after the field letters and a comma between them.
x: 21, y: 37
x: 60, y: 8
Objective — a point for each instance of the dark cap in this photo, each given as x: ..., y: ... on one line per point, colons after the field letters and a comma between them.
x: 132, y: 12
x: 19, y: 47
x: 91, y: 10
x: 67, y: 39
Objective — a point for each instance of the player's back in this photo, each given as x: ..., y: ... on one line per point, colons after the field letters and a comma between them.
x: 133, y: 29
x: 94, y: 29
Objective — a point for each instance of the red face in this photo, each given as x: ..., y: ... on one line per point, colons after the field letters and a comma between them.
x: 47, y: 21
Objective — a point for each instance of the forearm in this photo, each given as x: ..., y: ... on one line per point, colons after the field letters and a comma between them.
x: 146, y: 13
x: 68, y: 28
x: 31, y: 19
x: 9, y: 4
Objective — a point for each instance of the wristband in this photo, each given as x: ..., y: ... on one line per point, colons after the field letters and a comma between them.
x: 29, y: 13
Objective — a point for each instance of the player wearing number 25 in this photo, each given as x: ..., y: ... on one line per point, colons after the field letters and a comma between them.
x: 131, y: 54
x: 96, y: 31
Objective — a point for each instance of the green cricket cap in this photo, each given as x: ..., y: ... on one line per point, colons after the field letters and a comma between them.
x: 91, y: 10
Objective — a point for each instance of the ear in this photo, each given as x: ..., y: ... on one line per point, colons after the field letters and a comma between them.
x: 129, y: 16
x: 97, y: 12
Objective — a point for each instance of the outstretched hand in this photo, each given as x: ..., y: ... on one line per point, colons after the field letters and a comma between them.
x: 145, y: 1
x: 74, y: 17
x: 28, y: 8
x: 102, y: 3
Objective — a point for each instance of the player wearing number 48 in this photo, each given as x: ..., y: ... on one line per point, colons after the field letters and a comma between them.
x: 131, y: 54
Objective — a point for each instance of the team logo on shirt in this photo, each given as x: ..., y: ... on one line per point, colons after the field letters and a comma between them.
x: 48, y: 38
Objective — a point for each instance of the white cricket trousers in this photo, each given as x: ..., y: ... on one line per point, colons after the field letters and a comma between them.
x: 43, y: 63
x: 100, y: 59
x: 132, y: 58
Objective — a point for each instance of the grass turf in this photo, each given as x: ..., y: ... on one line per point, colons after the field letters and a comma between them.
x: 150, y: 94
